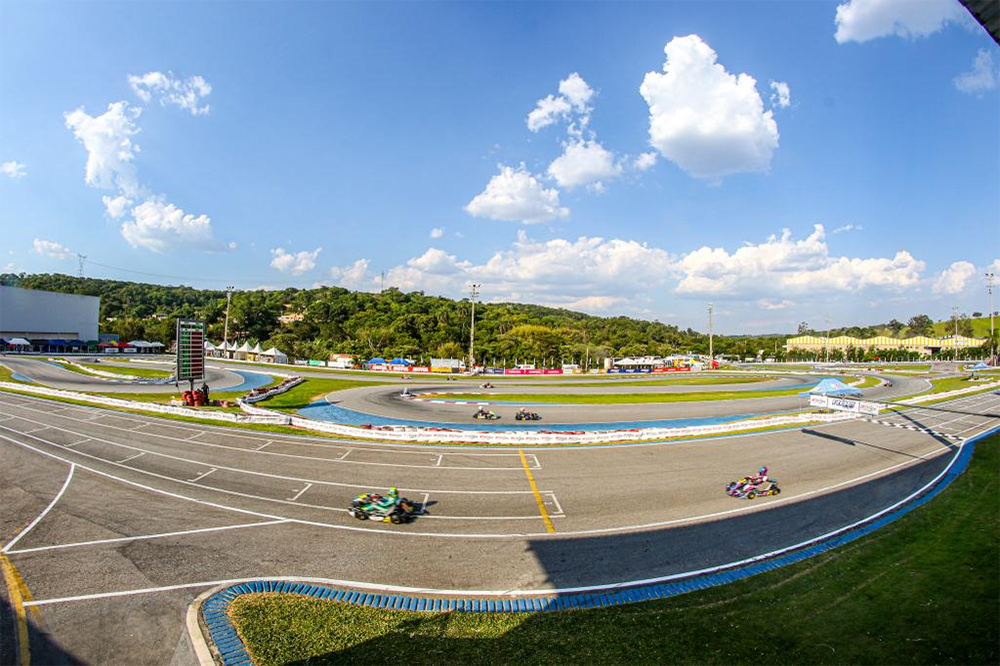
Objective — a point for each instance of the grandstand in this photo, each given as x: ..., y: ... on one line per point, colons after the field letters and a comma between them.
x: 922, y: 344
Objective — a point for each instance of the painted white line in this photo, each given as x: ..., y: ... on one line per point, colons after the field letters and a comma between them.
x: 131, y: 458
x: 31, y: 526
x: 197, y: 434
x: 138, y: 427
x: 160, y: 535
x: 70, y: 446
x: 537, y: 464
x: 262, y: 445
x: 423, y: 503
x: 257, y: 473
x: 202, y: 476
x: 28, y: 432
x: 346, y: 453
x: 299, y: 493
x: 555, y: 501
x: 440, y: 458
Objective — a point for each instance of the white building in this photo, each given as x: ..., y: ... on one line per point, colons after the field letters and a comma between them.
x: 47, y: 315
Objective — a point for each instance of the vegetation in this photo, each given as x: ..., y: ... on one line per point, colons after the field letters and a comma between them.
x: 922, y: 590
x: 615, y: 398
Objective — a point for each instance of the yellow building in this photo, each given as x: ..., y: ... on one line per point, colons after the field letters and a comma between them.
x: 921, y: 344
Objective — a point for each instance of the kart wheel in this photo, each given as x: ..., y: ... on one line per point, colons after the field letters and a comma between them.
x: 395, y: 519
x: 777, y: 491
x: 360, y: 515
x: 751, y: 494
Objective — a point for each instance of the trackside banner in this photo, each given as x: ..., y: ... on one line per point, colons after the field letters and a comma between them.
x: 673, y: 369
x: 534, y: 371
x: 844, y: 404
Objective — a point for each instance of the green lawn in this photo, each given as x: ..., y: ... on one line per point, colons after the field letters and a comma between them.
x: 980, y: 327
x: 923, y: 590
x: 309, y: 391
x: 676, y: 380
x: 131, y: 370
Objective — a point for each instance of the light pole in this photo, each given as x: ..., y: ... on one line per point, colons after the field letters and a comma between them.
x: 828, y: 338
x: 989, y: 289
x: 225, y: 330
x: 473, y: 293
x: 711, y: 347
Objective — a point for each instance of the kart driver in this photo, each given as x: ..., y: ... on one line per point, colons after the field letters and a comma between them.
x: 388, y: 500
x: 759, y: 480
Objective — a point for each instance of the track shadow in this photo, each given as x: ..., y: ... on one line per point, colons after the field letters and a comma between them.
x: 43, y: 648
x: 855, y: 442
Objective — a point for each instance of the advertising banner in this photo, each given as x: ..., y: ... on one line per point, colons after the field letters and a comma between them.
x: 818, y: 401
x: 670, y: 368
x: 494, y: 371
x: 378, y: 367
x: 629, y: 371
x: 844, y: 404
x: 420, y: 368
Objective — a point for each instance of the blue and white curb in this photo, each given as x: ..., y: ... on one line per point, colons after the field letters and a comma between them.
x: 229, y: 649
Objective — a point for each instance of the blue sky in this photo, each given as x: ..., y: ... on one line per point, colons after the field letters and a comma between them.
x: 787, y: 161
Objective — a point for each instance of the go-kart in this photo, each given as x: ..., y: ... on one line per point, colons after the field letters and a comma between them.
x: 488, y: 415
x: 744, y: 488
x: 370, y: 506
x: 487, y: 385
x: 527, y: 416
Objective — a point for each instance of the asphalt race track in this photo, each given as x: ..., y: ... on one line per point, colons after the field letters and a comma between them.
x: 117, y: 521
x: 48, y: 374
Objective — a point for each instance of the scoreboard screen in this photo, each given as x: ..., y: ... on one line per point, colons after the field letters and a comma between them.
x: 190, y: 350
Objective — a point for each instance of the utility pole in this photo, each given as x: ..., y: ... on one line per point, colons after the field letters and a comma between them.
x: 828, y: 338
x: 954, y: 339
x: 81, y: 258
x: 382, y: 283
x: 473, y: 293
x: 229, y: 298
x: 989, y: 289
x: 711, y: 347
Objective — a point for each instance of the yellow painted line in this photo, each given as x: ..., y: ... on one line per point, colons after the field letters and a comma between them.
x: 18, y: 592
x: 549, y: 527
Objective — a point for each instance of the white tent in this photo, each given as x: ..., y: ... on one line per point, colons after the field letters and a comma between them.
x: 275, y: 356
x: 241, y: 351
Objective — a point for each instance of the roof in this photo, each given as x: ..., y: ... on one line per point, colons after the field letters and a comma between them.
x: 831, y: 386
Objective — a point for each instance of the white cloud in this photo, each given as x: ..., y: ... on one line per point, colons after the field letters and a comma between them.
x: 116, y: 207
x: 184, y: 93
x: 862, y: 20
x: 790, y: 266
x: 704, y: 119
x: 297, y: 263
x: 160, y: 226
x: 645, y: 161
x: 983, y: 76
x: 547, y: 111
x: 953, y: 279
x: 108, y: 141
x: 13, y: 169
x: 51, y: 249
x: 768, y: 304
x: 574, y: 97
x: 782, y: 95
x: 848, y: 227
x: 353, y: 276
x: 583, y: 163
x: 437, y: 232
x: 514, y: 195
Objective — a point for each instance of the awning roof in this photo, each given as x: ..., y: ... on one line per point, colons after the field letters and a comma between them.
x: 831, y: 386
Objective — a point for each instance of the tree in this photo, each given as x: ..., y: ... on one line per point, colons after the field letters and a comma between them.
x: 896, y: 326
x: 920, y: 325
x: 803, y: 328
x: 965, y: 326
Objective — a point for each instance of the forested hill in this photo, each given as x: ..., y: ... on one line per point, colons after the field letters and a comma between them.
x: 312, y: 323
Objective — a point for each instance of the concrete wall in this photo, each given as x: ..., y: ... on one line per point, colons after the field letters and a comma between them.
x: 31, y: 313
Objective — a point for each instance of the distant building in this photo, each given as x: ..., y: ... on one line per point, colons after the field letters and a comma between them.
x: 290, y: 317
x: 922, y: 344
x: 48, y: 315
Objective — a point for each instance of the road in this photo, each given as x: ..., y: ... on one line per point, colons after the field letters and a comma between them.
x: 117, y: 521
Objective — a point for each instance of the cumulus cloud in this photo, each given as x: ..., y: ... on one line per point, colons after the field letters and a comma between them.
x: 51, y: 249
x: 116, y: 207
x: 781, y: 95
x: 354, y: 276
x: 13, y: 169
x: 573, y: 99
x: 981, y: 78
x: 185, y: 93
x: 769, y: 304
x: 296, y: 263
x: 160, y: 226
x: 863, y: 20
x: 644, y: 161
x: 108, y: 141
x: 848, y: 227
x: 789, y: 266
x: 583, y: 163
x: 515, y: 195
x: 953, y: 279
x: 437, y: 232
x: 707, y: 121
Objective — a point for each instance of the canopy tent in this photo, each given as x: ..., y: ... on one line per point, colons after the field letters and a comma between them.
x: 377, y: 359
x: 209, y: 346
x: 15, y: 344
x: 979, y: 366
x: 400, y: 361
x: 241, y: 352
x: 257, y: 349
x: 832, y: 386
x: 275, y: 356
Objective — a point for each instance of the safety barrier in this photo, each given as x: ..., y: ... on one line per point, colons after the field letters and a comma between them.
x: 118, y: 376
x: 256, y: 395
x: 271, y: 418
x: 927, y: 397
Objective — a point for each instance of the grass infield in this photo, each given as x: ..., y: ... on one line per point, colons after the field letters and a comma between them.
x: 923, y: 590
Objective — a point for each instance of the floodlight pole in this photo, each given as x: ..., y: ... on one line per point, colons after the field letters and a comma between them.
x: 229, y: 298
x: 990, y: 277
x: 711, y: 346
x: 828, y: 338
x: 473, y: 293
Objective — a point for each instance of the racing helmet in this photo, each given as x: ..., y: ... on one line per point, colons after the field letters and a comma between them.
x: 394, y: 492
x: 763, y: 471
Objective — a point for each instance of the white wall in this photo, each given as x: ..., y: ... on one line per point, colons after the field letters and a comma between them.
x: 31, y: 313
